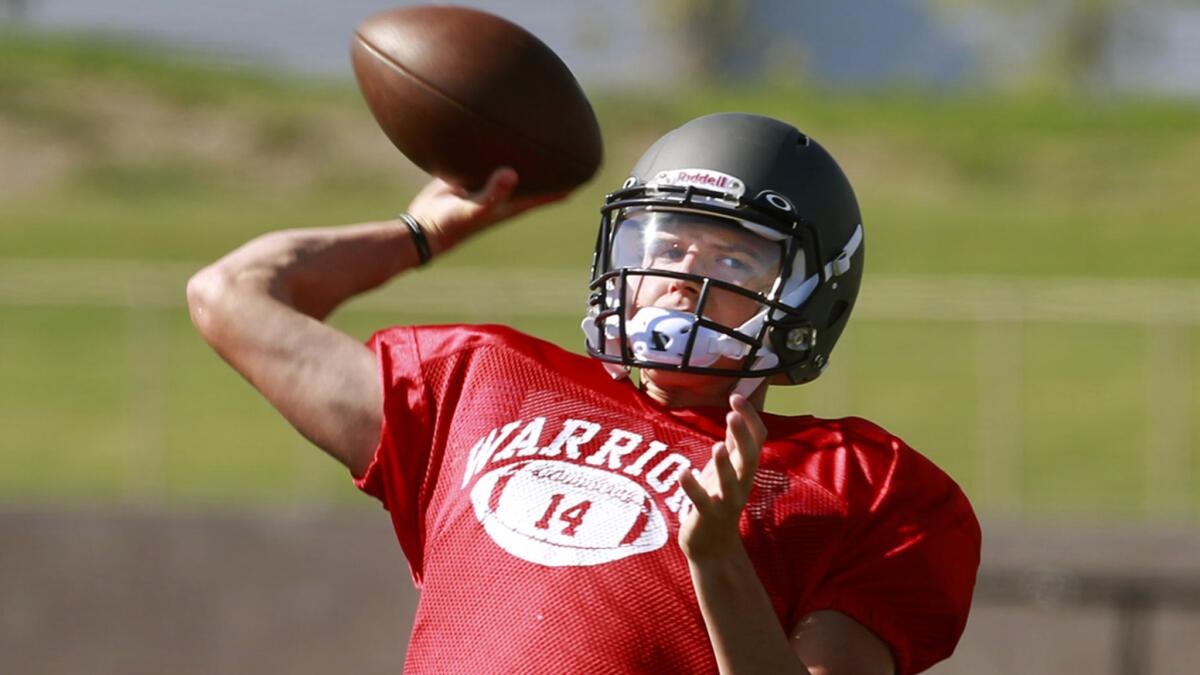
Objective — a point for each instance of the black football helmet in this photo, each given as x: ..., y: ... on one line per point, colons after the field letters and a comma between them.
x: 789, y: 247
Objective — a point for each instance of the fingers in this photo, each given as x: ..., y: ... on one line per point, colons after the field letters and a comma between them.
x: 744, y: 435
x: 731, y: 488
x: 757, y: 427
x: 737, y: 436
x: 498, y: 188
x: 718, y: 483
x: 451, y: 213
x: 694, y: 490
x: 719, y: 493
x: 497, y: 199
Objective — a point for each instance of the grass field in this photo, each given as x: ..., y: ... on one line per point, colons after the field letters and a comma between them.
x: 137, y: 155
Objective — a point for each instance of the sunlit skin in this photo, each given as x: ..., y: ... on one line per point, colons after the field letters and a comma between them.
x: 696, y: 245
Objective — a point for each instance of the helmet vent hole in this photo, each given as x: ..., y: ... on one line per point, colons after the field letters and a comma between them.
x: 838, y: 313
x: 803, y: 140
x: 778, y: 201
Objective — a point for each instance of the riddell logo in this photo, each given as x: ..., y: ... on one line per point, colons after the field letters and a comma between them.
x: 702, y: 178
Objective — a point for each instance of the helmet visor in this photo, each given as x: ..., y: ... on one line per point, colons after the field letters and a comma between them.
x: 700, y: 244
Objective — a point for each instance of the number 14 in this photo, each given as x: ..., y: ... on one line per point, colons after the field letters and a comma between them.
x: 572, y: 515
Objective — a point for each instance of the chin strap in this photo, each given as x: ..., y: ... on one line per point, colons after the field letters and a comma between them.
x: 747, y: 385
x: 616, y: 370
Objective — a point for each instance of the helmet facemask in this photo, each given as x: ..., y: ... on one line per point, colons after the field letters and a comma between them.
x: 686, y: 282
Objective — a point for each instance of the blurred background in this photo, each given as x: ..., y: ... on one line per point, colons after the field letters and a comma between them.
x: 1028, y: 176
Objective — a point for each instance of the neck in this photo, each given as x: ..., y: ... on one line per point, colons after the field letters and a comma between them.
x: 687, y: 390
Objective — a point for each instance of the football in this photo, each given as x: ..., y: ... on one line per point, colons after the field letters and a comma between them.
x: 461, y: 92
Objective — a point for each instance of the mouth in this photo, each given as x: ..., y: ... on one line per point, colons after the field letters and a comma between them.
x: 674, y: 301
x: 681, y: 306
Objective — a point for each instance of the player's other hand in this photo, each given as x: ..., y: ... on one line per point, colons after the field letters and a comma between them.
x: 710, y: 528
x: 450, y: 213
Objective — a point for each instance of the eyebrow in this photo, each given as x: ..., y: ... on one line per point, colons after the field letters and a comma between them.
x: 719, y: 244
x: 756, y: 255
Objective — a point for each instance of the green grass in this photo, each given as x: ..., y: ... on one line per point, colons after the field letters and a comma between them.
x: 175, y: 158
x: 129, y: 405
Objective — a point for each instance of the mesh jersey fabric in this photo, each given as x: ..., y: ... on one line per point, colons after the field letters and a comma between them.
x: 537, y: 502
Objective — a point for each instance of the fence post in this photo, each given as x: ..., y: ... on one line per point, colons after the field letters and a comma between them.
x: 1169, y: 432
x: 1133, y: 633
x: 999, y: 428
x: 145, y: 393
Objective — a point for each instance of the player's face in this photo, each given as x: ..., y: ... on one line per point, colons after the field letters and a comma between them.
x: 704, y: 246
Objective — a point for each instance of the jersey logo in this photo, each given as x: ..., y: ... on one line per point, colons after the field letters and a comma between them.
x: 560, y: 514
x: 573, y: 502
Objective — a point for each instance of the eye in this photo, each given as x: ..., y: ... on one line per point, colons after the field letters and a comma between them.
x: 740, y: 270
x: 667, y: 249
x: 733, y: 263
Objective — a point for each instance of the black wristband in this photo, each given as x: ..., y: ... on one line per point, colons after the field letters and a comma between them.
x: 418, y: 237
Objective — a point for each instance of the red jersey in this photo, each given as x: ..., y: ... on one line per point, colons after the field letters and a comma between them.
x: 538, y: 500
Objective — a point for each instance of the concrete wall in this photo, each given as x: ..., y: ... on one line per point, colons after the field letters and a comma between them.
x: 131, y: 593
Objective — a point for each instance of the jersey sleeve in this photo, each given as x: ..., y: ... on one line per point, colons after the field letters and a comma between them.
x: 421, y: 374
x: 907, y: 568
x: 401, y: 458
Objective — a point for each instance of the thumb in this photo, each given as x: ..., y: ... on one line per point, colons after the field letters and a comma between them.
x: 498, y: 188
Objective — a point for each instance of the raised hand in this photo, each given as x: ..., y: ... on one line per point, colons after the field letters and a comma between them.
x: 450, y: 214
x: 720, y: 492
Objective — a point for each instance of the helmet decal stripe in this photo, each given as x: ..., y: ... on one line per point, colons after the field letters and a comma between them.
x: 841, y: 264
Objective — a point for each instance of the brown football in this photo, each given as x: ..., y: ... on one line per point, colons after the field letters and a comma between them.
x: 461, y: 92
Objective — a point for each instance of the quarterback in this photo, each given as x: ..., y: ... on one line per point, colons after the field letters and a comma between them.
x: 632, y: 510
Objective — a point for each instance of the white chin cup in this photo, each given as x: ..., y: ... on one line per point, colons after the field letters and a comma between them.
x: 658, y: 335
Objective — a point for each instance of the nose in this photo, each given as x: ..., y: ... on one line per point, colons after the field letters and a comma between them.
x: 688, y: 262
x: 685, y: 286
